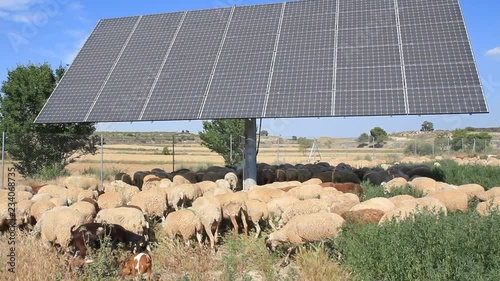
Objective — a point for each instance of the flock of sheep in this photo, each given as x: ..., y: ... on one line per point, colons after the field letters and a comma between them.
x: 298, y: 212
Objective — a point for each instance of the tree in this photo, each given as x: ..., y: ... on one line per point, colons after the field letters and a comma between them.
x: 37, y: 146
x: 304, y: 144
x: 427, y: 126
x: 462, y: 139
x: 264, y: 133
x: 363, y: 138
x: 379, y: 135
x: 216, y: 136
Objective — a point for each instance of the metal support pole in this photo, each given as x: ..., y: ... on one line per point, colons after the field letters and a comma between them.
x: 102, y: 159
x: 433, y: 144
x: 415, y: 147
x: 231, y: 148
x: 250, y: 173
x: 346, y: 150
x: 3, y: 159
x: 448, y: 147
x: 173, y: 153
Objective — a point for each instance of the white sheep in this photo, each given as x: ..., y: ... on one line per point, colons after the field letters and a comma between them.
x: 277, y: 206
x: 87, y: 193
x: 306, y: 228
x: 122, y: 188
x: 233, y: 207
x: 55, y: 225
x: 55, y: 191
x: 22, y: 213
x: 130, y: 218
x: 153, y: 202
x: 309, y: 206
x: 378, y: 203
x: 257, y: 211
x: 40, y: 207
x: 110, y: 200
x: 59, y: 201
x: 81, y: 182
x: 181, y: 195
x: 223, y: 184
x: 210, y: 213
x: 185, y: 223
x: 86, y: 209
x: 265, y: 194
x: 41, y: 197
x: 232, y: 179
x: 179, y: 179
x: 20, y: 195
x: 204, y: 187
x: 308, y: 191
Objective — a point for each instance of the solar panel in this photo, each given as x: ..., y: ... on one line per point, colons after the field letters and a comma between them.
x: 293, y: 59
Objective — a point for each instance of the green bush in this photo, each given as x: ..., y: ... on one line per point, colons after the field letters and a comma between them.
x: 423, y: 148
x: 105, y: 263
x: 460, y: 246
x: 486, y: 176
x: 52, y: 172
x: 372, y: 191
x: 165, y: 151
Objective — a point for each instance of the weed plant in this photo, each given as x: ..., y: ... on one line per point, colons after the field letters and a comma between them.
x: 372, y: 191
x: 460, y: 246
x: 486, y: 176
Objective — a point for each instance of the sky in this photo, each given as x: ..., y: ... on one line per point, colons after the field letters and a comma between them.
x: 53, y: 31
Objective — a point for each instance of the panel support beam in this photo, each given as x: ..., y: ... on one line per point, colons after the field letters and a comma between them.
x: 250, y: 171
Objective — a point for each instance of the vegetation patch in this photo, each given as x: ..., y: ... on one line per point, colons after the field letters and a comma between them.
x: 460, y: 246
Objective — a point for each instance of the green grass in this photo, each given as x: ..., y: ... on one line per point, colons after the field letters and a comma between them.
x: 460, y: 246
x: 372, y: 191
x: 486, y: 176
x: 94, y: 171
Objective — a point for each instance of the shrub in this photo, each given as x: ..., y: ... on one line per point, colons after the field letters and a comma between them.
x: 460, y: 246
x: 104, y: 266
x: 165, y: 151
x: 52, y: 172
x: 372, y: 191
x: 423, y: 148
x: 486, y: 176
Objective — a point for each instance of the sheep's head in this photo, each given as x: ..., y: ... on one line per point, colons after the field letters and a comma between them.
x: 271, y: 244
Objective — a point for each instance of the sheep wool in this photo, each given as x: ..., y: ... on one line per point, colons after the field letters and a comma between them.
x: 110, y: 200
x: 257, y: 211
x: 307, y: 228
x: 125, y: 190
x: 153, y: 202
x: 40, y: 207
x: 185, y: 223
x: 309, y: 206
x: 131, y: 219
x: 210, y: 213
x: 55, y: 225
x: 86, y: 209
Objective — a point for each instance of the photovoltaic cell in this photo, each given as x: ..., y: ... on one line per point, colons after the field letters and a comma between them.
x: 369, y: 103
x: 142, y: 54
x: 73, y: 98
x: 294, y: 59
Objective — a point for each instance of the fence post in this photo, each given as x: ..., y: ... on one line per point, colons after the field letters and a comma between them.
x: 3, y: 159
x: 278, y: 152
x: 346, y: 150
x: 485, y: 151
x: 102, y: 159
x: 463, y: 145
x: 373, y: 148
x: 415, y: 147
x: 433, y: 144
x: 448, y: 147
x: 173, y: 152
x: 474, y: 146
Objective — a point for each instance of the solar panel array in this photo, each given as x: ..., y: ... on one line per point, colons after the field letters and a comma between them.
x: 312, y: 58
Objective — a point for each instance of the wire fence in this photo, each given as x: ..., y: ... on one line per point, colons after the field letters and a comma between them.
x: 130, y: 152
